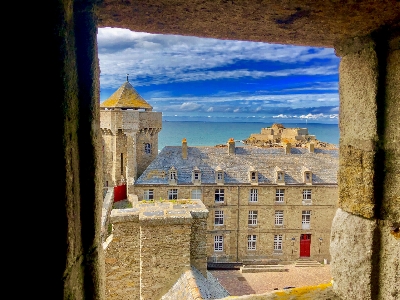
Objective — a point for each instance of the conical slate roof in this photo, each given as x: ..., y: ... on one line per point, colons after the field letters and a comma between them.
x: 126, y: 97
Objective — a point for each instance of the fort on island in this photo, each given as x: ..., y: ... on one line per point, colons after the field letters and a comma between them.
x: 277, y: 135
x: 194, y: 208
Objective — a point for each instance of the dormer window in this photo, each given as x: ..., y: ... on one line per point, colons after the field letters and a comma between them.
x: 172, y: 176
x: 279, y: 176
x: 307, y: 175
x: 219, y: 176
x: 196, y: 176
x: 253, y: 176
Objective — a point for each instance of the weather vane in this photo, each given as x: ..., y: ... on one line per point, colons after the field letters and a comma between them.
x: 127, y: 77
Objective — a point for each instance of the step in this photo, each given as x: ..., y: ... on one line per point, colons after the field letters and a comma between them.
x: 263, y: 268
x: 307, y: 263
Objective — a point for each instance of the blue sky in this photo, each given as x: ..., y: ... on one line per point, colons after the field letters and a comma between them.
x: 191, y: 78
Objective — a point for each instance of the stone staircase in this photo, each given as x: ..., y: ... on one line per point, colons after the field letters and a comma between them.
x: 306, y: 262
x: 263, y: 268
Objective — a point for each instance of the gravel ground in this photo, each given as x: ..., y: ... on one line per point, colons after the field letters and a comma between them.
x: 238, y: 284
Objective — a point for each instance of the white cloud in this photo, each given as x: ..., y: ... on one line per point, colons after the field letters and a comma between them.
x: 190, y: 106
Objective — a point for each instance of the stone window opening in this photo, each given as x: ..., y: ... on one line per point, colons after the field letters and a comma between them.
x: 278, y: 242
x: 305, y: 219
x: 253, y: 195
x: 196, y: 194
x: 148, y: 194
x: 280, y: 195
x: 147, y: 148
x: 252, y: 217
x: 279, y: 217
x: 219, y: 217
x: 219, y: 195
x: 172, y: 194
x: 218, y: 243
x: 251, y: 242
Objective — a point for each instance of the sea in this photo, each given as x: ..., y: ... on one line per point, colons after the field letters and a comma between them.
x: 199, y: 133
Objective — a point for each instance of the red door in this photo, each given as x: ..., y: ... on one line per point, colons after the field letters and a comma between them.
x: 120, y: 192
x: 305, y: 243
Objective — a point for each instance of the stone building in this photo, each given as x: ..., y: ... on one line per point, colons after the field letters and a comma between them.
x: 129, y: 135
x: 265, y: 204
x: 365, y: 238
x: 278, y: 133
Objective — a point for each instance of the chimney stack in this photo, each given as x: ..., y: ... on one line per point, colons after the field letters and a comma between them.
x: 184, y: 148
x: 287, y: 147
x: 311, y: 147
x: 231, y: 146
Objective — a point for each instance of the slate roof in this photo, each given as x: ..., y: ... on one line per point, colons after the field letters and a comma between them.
x: 322, y: 163
x: 126, y: 97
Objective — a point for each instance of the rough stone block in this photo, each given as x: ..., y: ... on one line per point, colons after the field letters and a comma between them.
x: 352, y: 249
x: 356, y: 181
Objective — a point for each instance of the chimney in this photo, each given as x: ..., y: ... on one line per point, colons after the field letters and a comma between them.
x: 231, y: 146
x: 287, y: 147
x: 184, y: 148
x: 311, y: 147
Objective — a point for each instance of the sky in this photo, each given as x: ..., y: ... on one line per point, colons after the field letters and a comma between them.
x: 202, y: 79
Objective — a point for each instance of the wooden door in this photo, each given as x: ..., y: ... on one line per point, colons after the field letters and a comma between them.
x: 305, y: 245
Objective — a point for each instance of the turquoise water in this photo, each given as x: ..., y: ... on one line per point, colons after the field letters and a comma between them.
x: 214, y: 133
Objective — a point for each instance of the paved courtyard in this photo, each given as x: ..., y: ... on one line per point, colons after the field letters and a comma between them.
x: 238, y: 284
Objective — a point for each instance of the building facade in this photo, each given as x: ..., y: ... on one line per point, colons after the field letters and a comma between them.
x: 265, y: 204
x: 129, y: 136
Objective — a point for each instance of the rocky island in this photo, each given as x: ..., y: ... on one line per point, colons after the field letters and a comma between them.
x: 277, y: 136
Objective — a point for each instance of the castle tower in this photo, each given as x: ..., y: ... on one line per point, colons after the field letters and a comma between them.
x: 129, y: 135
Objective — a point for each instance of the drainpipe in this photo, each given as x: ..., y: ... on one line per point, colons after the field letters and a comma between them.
x: 237, y: 229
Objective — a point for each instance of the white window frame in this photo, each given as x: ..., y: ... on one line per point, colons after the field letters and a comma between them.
x: 305, y: 219
x: 172, y: 194
x: 218, y: 217
x: 252, y: 220
x: 218, y: 243
x: 307, y: 195
x: 196, y: 175
x: 279, y: 217
x: 196, y: 194
x: 172, y: 175
x: 253, y: 195
x: 252, y: 242
x: 278, y: 242
x: 280, y: 195
x: 219, y: 195
x: 253, y: 176
x: 220, y: 176
x: 148, y: 194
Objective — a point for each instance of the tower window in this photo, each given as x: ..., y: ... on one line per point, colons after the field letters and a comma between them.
x: 147, y: 148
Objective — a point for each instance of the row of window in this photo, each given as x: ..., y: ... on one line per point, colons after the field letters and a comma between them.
x: 251, y: 242
x: 220, y: 195
x: 219, y: 218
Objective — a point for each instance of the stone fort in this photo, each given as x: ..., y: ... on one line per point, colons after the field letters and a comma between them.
x: 364, y: 243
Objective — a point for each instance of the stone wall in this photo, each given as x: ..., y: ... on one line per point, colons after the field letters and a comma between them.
x: 151, y: 246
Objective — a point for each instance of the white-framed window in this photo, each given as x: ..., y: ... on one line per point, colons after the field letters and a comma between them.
x: 251, y: 242
x: 148, y: 194
x: 253, y: 176
x: 278, y: 242
x: 279, y: 217
x: 305, y: 219
x: 220, y: 176
x: 218, y: 243
x: 253, y: 195
x: 219, y: 195
x: 253, y: 217
x: 172, y: 194
x: 219, y: 217
x: 172, y: 175
x: 196, y: 175
x: 196, y: 194
x: 306, y: 194
x: 147, y: 148
x: 279, y: 195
